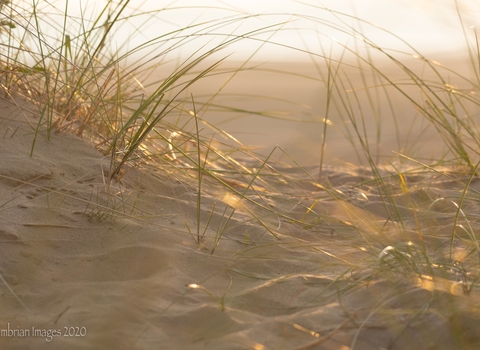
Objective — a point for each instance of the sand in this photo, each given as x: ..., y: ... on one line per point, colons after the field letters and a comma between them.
x: 89, y: 263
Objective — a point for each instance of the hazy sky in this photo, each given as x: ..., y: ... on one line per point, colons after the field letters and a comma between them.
x: 430, y: 25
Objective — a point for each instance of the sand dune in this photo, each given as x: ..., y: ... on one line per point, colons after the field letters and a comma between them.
x: 115, y: 260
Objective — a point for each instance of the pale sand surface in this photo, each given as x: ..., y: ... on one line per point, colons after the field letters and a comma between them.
x: 117, y: 258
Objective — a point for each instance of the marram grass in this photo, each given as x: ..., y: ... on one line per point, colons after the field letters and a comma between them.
x: 410, y: 223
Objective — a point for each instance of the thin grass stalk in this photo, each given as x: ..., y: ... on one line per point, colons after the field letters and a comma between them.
x: 47, y: 109
x: 330, y: 83
x: 460, y: 212
x: 200, y: 172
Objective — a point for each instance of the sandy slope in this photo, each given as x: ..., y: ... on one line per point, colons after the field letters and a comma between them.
x: 117, y: 259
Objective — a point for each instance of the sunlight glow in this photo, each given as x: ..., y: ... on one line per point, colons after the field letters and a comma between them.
x: 431, y: 28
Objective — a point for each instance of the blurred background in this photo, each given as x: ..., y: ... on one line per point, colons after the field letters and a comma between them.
x: 284, y: 59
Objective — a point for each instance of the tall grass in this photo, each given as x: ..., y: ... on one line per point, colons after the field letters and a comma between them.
x: 83, y: 85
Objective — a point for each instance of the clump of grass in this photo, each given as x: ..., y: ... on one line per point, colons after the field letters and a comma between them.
x: 84, y: 88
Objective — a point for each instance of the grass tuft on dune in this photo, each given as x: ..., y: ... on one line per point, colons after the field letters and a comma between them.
x: 129, y: 215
